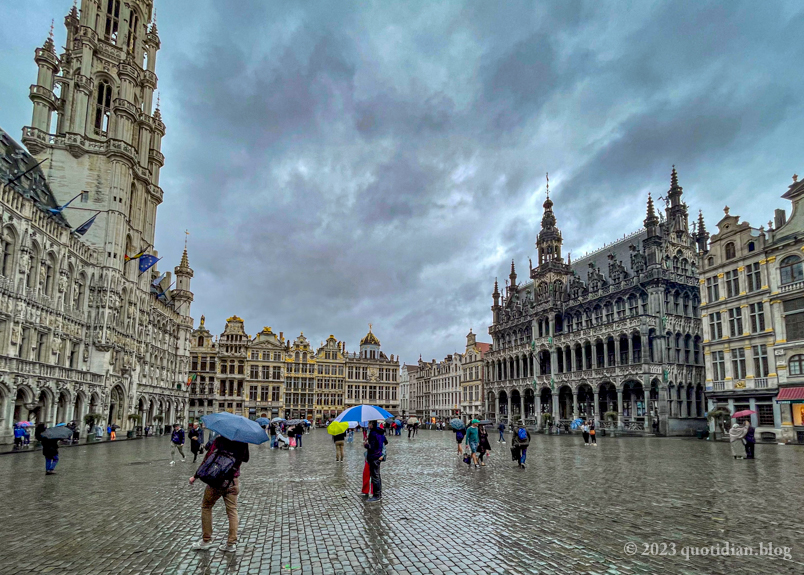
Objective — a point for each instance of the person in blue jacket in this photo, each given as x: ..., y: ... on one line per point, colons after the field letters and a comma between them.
x: 375, y: 442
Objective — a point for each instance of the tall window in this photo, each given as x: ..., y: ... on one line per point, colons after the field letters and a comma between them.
x: 794, y: 319
x: 753, y: 276
x: 252, y: 392
x: 718, y: 366
x: 757, y: 316
x: 732, y: 283
x: 791, y: 269
x: 132, y: 32
x: 264, y: 393
x: 738, y: 363
x: 598, y: 315
x: 730, y: 251
x: 760, y: 353
x: 275, y: 393
x: 796, y: 365
x: 712, y: 289
x: 112, y: 21
x: 103, y: 108
x: 715, y: 326
x: 735, y: 322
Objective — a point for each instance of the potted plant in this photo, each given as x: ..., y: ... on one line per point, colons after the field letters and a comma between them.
x: 134, y: 418
x: 720, y: 416
x: 610, y: 416
x: 91, y: 419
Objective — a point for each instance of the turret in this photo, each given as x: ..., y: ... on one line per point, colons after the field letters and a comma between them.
x: 512, y: 277
x: 676, y: 209
x: 549, y: 241
x: 702, y: 236
x: 653, y: 239
x: 182, y: 294
x: 42, y: 96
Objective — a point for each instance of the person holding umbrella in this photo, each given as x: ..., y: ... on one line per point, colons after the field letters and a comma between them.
x: 374, y: 456
x: 337, y: 429
x: 749, y: 439
x: 473, y: 440
x: 49, y: 438
x: 220, y: 470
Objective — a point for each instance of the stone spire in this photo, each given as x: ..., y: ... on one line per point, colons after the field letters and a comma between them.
x: 49, y: 46
x: 651, y: 220
x: 702, y: 236
x: 157, y: 112
x: 512, y: 277
x: 549, y: 241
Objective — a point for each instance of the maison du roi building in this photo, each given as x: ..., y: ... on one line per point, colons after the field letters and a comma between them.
x: 80, y: 330
x: 752, y: 286
x: 270, y: 376
x: 615, y: 335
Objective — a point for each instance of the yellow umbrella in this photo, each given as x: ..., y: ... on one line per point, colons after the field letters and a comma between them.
x: 337, y: 427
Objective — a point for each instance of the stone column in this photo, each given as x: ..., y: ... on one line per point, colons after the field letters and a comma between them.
x: 605, y: 354
x: 630, y: 349
x: 619, y: 408
x: 617, y: 351
x: 573, y: 358
x: 583, y: 356
x: 574, y: 403
x: 510, y: 412
x: 555, y: 408
x: 537, y: 402
x: 522, y: 406
x: 595, y: 407
x: 497, y: 405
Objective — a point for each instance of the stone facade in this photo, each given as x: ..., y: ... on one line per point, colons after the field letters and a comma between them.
x: 445, y: 387
x: 265, y: 368
x: 472, y: 399
x: 371, y: 376
x: 752, y: 282
x: 621, y: 347
x: 407, y: 376
x: 81, y: 330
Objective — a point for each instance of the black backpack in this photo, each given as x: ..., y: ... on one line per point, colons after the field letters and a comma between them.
x: 218, y: 470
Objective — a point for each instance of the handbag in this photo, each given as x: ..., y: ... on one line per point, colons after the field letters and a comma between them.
x: 293, y: 442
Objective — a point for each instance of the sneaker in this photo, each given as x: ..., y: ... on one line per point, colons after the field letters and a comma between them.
x: 173, y: 463
x: 183, y: 460
x: 228, y: 547
x: 201, y: 545
x: 374, y: 499
x: 49, y: 472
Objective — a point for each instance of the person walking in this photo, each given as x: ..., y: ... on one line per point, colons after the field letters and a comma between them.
x: 736, y: 435
x: 19, y: 436
x: 749, y: 439
x: 177, y: 443
x: 585, y: 431
x: 521, y: 440
x: 195, y: 440
x: 272, y: 433
x: 228, y: 491
x: 374, y: 456
x: 339, y: 441
x: 350, y: 435
x: 50, y: 449
x: 459, y: 436
x: 592, y: 433
x: 299, y: 433
x: 501, y: 429
x: 473, y: 440
x: 410, y: 430
x: 415, y: 429
x: 483, y: 447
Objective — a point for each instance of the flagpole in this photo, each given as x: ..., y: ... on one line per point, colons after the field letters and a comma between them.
x: 17, y: 177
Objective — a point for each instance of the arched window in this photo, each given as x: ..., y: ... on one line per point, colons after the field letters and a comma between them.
x: 33, y: 265
x: 710, y: 261
x: 50, y: 271
x: 620, y: 308
x: 112, y: 21
x: 791, y: 269
x: 7, y: 243
x: 598, y: 315
x: 103, y: 108
x: 132, y: 32
x: 796, y: 365
x: 730, y: 251
x: 201, y: 342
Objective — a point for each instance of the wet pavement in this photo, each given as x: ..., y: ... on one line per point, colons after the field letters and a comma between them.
x: 122, y: 509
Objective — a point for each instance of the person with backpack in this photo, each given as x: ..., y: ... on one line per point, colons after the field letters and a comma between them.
x: 521, y: 441
x: 473, y: 440
x: 177, y: 443
x: 501, y: 429
x: 459, y: 435
x: 220, y: 470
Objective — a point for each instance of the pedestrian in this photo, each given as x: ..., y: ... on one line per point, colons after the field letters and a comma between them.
x: 501, y: 429
x: 750, y: 441
x: 473, y: 440
x: 147, y: 429
x: 177, y: 443
x: 299, y: 433
x: 228, y: 491
x: 585, y: 431
x: 50, y: 449
x: 374, y: 456
x: 350, y: 435
x: 195, y: 440
x: 736, y: 435
x: 592, y: 435
x: 410, y: 430
x: 19, y: 436
x: 521, y: 440
x: 113, y: 433
x: 272, y: 433
x: 484, y: 447
x: 459, y: 436
x: 339, y: 441
x: 415, y: 429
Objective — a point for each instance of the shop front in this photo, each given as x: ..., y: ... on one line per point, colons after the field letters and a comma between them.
x: 792, y: 398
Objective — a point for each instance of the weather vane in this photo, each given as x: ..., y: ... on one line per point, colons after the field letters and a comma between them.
x: 547, y: 175
x: 186, y: 236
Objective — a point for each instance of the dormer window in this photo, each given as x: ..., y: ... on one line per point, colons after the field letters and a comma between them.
x: 730, y: 251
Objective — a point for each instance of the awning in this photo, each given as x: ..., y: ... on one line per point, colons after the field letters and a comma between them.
x: 790, y: 395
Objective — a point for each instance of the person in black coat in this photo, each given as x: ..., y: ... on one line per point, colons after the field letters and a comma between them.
x: 195, y: 440
x: 50, y: 449
x: 749, y: 440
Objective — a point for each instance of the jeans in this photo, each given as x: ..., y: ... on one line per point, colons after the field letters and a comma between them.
x: 376, y: 481
x: 229, y: 500
x: 274, y: 441
x: 339, y: 450
x: 50, y: 462
x: 502, y: 435
x: 523, y: 451
x: 298, y: 440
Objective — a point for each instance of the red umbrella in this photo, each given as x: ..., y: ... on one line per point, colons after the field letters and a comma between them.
x: 743, y: 413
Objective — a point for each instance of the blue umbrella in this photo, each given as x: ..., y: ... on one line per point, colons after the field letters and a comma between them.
x: 576, y: 423
x: 60, y: 424
x: 263, y: 421
x: 235, y: 427
x: 277, y: 419
x: 457, y: 424
x: 364, y: 413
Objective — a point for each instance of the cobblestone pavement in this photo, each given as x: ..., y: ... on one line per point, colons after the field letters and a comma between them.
x: 122, y: 509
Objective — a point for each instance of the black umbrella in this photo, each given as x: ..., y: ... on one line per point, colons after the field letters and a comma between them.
x: 115, y: 426
x: 60, y: 432
x: 485, y: 422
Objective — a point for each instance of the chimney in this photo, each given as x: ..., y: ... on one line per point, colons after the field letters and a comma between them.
x: 281, y: 336
x: 779, y: 218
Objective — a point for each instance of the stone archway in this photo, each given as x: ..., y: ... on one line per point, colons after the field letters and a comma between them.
x: 78, y: 407
x: 503, y: 401
x: 117, y: 406
x: 22, y: 403
x: 586, y: 401
x: 565, y: 410
x: 63, y: 407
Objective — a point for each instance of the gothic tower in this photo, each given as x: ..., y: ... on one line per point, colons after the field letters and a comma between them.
x: 95, y: 125
x: 549, y: 241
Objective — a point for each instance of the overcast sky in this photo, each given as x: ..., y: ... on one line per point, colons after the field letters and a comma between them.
x: 340, y: 163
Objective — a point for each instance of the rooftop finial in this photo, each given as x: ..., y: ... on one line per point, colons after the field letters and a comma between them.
x: 726, y: 210
x: 547, y: 175
x: 186, y: 236
x: 795, y: 178
x: 52, y: 21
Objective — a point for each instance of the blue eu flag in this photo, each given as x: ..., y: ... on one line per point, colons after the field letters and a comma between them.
x: 147, y: 262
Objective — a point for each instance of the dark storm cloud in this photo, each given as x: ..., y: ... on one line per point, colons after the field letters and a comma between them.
x: 346, y: 163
